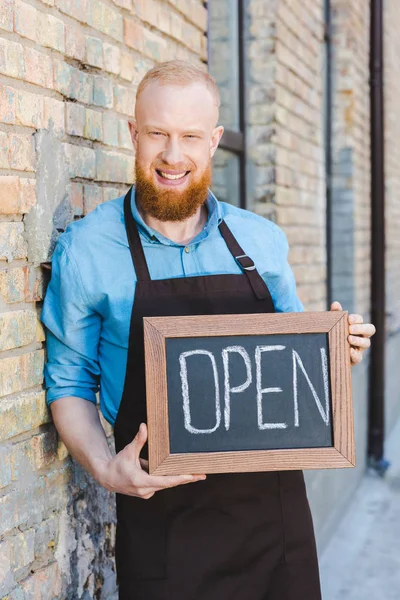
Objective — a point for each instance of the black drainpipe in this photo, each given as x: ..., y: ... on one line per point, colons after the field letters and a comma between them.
x: 376, y: 426
x: 328, y: 99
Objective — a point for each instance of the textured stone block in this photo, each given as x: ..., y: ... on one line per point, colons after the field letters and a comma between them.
x: 93, y: 125
x: 38, y: 68
x: 54, y: 114
x: 7, y: 104
x: 18, y: 195
x: 155, y: 46
x: 110, y: 193
x: 22, y: 551
x: 26, y: 20
x: 7, y: 15
x: 11, y: 59
x: 72, y: 83
x: 93, y: 196
x: 106, y: 19
x: 75, y: 118
x: 46, y: 537
x: 110, y: 129
x: 17, y: 329
x: 5, y: 562
x: 127, y: 4
x: 124, y: 100
x: 128, y: 66
x: 12, y: 284
x: 111, y: 58
x: 133, y: 34
x: 81, y: 161
x: 5, y: 473
x: 102, y: 91
x: 4, y: 151
x: 22, y: 154
x: 75, y: 41
x: 77, y: 9
x: 75, y: 194
x: 125, y: 140
x: 51, y: 32
x: 9, y: 194
x: 23, y: 413
x: 12, y: 242
x: 114, y: 167
x: 94, y: 52
x: 44, y: 583
x: 21, y: 372
x: 29, y: 109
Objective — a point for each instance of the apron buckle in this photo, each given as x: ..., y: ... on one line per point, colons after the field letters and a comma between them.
x: 245, y: 262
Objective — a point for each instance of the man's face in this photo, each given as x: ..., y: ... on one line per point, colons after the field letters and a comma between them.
x: 175, y: 136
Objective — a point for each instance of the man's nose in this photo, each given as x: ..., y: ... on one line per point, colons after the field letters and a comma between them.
x: 172, y: 154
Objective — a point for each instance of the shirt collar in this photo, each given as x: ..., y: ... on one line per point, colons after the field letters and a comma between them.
x: 154, y: 236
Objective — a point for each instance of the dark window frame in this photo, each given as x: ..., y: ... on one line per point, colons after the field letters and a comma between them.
x: 235, y: 141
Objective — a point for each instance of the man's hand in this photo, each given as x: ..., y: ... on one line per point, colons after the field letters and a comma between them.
x: 360, y: 333
x: 124, y: 473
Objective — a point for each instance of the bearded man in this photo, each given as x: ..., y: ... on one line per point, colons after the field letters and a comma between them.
x: 170, y: 248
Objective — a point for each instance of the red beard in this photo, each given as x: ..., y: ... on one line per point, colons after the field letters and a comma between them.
x: 171, y: 205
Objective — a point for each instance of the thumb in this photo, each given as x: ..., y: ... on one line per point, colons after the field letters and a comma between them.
x: 336, y: 305
x: 139, y: 440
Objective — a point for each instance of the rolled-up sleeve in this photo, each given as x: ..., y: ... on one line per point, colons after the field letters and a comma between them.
x: 72, y: 332
x: 283, y: 286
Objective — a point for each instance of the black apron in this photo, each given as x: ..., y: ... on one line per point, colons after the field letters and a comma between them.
x: 241, y: 536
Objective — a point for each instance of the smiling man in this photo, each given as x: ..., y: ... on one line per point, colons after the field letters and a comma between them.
x: 170, y: 248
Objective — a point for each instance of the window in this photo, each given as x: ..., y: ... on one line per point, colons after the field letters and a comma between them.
x: 225, y: 61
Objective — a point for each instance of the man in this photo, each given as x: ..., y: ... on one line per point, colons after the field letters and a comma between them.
x: 170, y: 248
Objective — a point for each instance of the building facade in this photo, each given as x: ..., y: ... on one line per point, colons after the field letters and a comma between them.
x: 295, y: 84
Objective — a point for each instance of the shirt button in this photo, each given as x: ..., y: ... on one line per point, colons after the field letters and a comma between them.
x: 187, y: 250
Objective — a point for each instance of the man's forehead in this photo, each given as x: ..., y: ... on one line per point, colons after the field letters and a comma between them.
x: 189, y: 102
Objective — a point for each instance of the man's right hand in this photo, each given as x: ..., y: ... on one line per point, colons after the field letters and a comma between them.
x: 124, y: 473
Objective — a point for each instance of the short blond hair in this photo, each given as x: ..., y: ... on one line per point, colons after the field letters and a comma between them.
x: 179, y: 72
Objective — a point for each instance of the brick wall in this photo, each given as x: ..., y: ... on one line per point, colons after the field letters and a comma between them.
x: 392, y: 206
x: 351, y: 197
x: 68, y: 76
x: 392, y: 162
x: 285, y: 145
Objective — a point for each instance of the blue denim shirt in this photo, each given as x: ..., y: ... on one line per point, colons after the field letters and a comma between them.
x: 89, y: 299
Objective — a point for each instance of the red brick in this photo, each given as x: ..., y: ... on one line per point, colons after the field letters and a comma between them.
x: 9, y: 194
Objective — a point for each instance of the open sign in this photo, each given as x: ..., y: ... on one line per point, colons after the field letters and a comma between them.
x: 248, y: 392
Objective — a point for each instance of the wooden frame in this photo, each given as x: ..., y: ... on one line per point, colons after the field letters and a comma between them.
x: 158, y: 329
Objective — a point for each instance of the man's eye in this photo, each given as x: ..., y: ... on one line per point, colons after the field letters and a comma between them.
x: 191, y: 136
x: 156, y: 133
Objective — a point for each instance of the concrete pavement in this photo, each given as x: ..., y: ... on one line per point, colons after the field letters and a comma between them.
x: 362, y: 560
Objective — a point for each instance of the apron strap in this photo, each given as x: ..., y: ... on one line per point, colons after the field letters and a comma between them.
x: 135, y: 245
x: 259, y: 286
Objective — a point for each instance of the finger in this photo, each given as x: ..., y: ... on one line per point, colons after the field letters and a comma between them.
x: 366, y: 330
x: 336, y: 305
x: 359, y: 342
x: 355, y: 319
x: 356, y: 356
x: 139, y: 440
x: 161, y: 482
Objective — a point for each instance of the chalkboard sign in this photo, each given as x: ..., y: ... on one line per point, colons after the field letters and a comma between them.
x: 248, y: 392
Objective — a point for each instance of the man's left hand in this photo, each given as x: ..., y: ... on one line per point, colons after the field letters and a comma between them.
x: 360, y: 334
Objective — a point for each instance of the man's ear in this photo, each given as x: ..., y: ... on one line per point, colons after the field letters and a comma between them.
x: 133, y: 131
x: 215, y: 139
